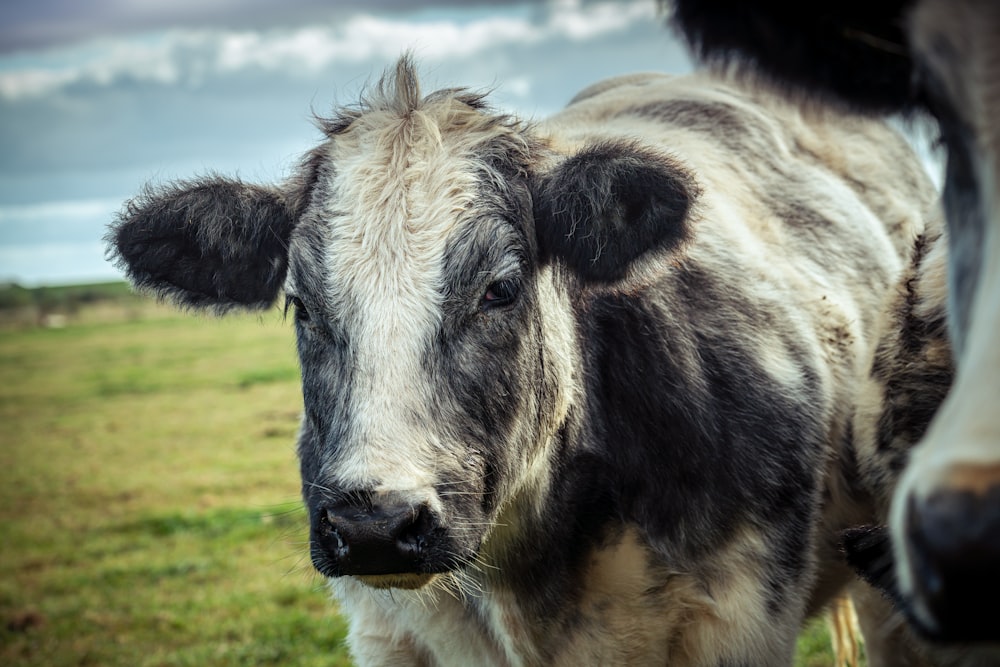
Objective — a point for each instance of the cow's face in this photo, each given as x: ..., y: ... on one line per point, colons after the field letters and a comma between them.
x: 414, y: 278
x: 430, y: 253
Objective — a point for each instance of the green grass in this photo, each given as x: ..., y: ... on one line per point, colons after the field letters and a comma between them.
x: 149, y: 510
x: 149, y: 501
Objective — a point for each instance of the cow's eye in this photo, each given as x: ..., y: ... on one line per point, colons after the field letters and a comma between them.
x: 301, y: 313
x: 501, y: 293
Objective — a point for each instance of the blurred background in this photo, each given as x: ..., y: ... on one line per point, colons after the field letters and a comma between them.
x: 149, y: 494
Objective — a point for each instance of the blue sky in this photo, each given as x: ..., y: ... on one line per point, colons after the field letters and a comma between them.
x: 99, y: 97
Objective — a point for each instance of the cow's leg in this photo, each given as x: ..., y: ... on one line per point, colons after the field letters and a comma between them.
x: 946, y: 511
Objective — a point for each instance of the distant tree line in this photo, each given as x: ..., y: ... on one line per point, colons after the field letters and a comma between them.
x: 39, y: 305
x: 62, y: 297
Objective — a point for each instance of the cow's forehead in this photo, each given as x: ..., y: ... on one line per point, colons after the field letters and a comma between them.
x: 396, y: 205
x: 395, y: 191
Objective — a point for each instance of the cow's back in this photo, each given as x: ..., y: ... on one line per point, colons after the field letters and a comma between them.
x: 750, y: 144
x: 810, y: 212
x: 736, y: 119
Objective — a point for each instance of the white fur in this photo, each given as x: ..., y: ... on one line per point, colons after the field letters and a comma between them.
x: 401, y: 187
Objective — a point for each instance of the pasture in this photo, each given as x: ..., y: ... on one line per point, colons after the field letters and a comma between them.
x: 149, y: 496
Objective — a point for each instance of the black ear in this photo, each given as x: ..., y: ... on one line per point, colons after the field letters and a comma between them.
x: 610, y: 204
x: 212, y: 243
x: 868, y: 550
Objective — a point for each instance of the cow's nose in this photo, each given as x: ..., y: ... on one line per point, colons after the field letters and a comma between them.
x: 375, y: 539
x: 954, y: 544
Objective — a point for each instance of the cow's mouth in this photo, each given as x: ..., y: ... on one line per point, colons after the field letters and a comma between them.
x: 402, y: 581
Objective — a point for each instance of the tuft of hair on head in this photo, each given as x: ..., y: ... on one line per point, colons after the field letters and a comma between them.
x: 398, y: 93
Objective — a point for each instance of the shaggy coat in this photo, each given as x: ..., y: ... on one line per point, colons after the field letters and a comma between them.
x: 576, y: 392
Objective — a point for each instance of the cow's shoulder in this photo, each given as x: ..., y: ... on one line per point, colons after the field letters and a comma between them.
x: 615, y: 83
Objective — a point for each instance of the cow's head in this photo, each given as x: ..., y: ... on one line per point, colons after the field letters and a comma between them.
x: 430, y: 252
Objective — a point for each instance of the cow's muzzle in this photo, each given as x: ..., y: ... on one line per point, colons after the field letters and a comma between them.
x: 372, y: 539
x: 954, y: 550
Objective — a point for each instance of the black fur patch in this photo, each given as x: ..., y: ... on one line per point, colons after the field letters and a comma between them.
x: 868, y: 549
x: 610, y: 204
x: 212, y: 243
x: 850, y: 53
x: 909, y: 364
x: 692, y: 420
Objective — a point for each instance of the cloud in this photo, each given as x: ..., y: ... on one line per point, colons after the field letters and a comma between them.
x: 100, y: 64
x: 41, y: 24
x: 190, y: 57
x: 55, y: 264
x: 85, y: 125
x: 55, y: 241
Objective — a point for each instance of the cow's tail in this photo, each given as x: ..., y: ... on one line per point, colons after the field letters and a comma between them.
x: 845, y: 634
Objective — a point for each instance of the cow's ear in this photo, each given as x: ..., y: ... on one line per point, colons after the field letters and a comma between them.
x: 610, y: 204
x: 212, y: 243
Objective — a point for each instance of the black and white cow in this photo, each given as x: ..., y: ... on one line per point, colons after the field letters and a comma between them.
x: 575, y: 391
x: 941, y: 57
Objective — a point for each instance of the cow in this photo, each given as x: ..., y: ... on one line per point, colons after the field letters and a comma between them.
x: 942, y: 58
x: 911, y: 373
x: 576, y: 391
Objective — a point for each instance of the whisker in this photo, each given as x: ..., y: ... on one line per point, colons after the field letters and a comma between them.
x: 481, y: 562
x: 319, y: 487
x: 482, y: 523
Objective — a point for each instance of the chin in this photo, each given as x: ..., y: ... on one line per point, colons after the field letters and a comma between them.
x: 408, y: 582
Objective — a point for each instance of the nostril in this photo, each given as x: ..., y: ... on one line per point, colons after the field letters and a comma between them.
x: 411, y: 535
x: 328, y: 526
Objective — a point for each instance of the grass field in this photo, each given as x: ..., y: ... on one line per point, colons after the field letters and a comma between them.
x: 149, y: 501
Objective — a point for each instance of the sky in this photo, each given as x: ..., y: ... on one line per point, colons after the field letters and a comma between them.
x: 98, y: 98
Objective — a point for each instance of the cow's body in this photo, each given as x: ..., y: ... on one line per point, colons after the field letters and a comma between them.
x: 942, y: 57
x: 576, y: 392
